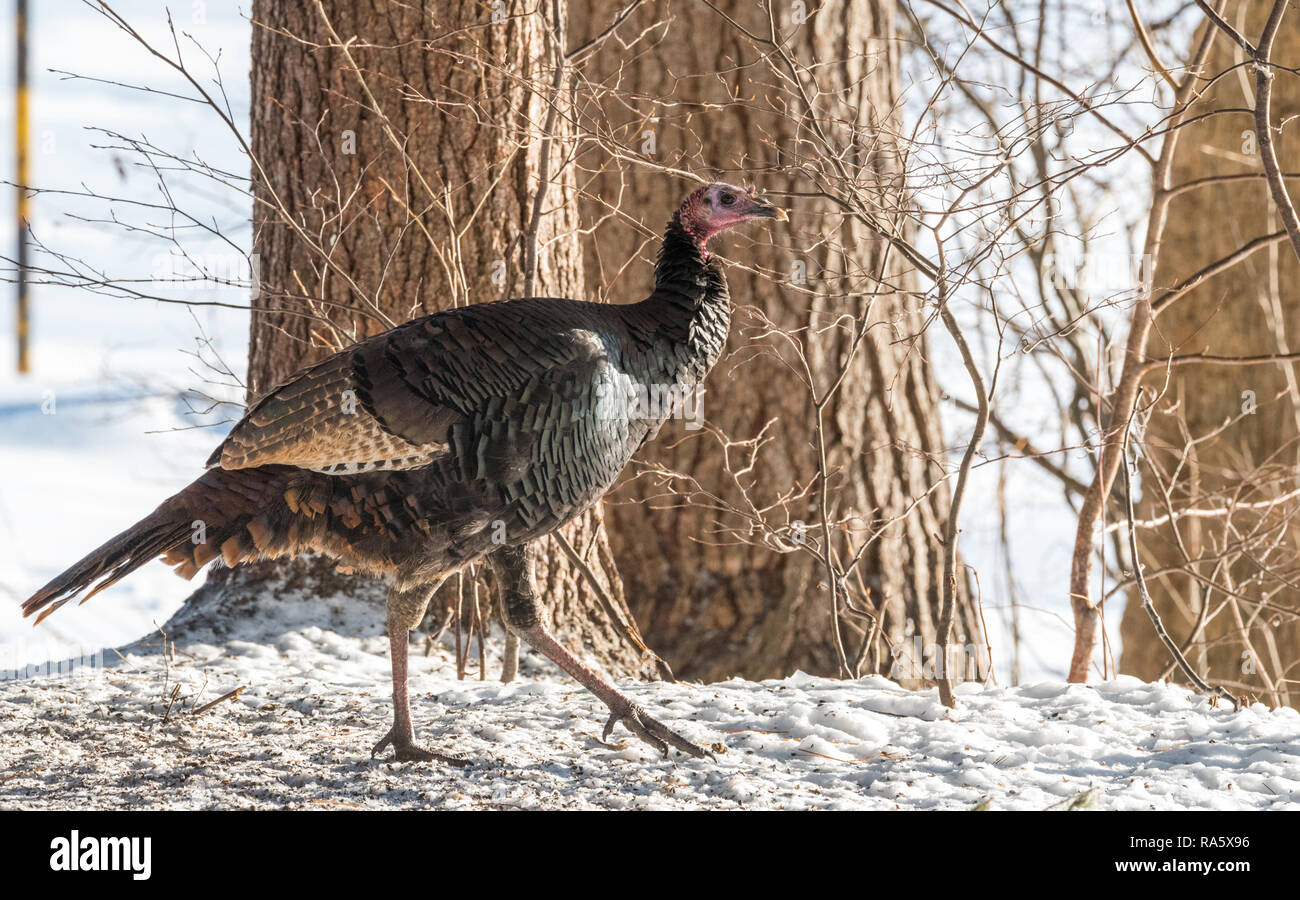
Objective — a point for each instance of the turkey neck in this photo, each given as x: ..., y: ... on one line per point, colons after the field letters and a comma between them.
x: 683, y: 324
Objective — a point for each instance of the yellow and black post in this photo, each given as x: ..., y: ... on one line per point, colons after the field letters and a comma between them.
x: 20, y: 131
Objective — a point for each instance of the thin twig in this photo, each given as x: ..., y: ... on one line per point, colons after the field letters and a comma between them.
x: 1145, y: 595
x: 229, y: 695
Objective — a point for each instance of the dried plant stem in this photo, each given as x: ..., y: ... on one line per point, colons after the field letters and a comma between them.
x: 1264, y: 125
x: 229, y: 695
x: 1145, y: 595
x: 948, y: 609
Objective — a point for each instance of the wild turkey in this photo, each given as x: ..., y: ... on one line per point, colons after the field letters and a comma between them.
x: 457, y: 437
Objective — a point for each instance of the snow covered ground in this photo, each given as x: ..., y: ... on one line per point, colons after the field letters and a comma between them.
x: 316, y: 697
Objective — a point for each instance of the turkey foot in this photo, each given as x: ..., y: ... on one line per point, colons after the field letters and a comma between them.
x: 621, y: 707
x: 406, y: 750
x: 648, y: 729
x: 402, y: 734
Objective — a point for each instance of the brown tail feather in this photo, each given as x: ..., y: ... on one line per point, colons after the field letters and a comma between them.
x: 151, y: 536
x: 243, y: 515
x: 231, y: 506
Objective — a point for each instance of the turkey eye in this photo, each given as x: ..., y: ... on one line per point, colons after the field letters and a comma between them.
x: 728, y: 199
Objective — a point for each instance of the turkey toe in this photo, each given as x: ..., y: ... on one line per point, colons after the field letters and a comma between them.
x: 406, y: 750
x: 651, y: 730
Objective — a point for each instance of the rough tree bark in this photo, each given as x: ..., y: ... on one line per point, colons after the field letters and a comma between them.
x: 382, y: 178
x: 716, y: 609
x: 1252, y: 309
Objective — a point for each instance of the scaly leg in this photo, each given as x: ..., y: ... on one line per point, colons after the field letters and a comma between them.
x: 510, y: 658
x: 405, y: 609
x: 520, y: 606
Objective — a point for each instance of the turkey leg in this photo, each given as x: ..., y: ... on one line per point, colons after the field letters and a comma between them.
x: 510, y: 657
x: 522, y: 615
x: 405, y: 609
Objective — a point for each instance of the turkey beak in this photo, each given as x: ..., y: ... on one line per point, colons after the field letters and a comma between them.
x: 764, y: 209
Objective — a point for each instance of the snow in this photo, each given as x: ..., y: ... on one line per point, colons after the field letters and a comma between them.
x: 97, y: 434
x: 90, y: 468
x: 316, y: 696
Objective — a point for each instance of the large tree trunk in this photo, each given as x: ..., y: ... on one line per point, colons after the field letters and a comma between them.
x: 1252, y: 309
x: 715, y: 607
x: 408, y: 196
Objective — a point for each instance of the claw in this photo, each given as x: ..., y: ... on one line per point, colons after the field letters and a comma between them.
x: 609, y: 725
x: 650, y: 730
x: 406, y: 750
